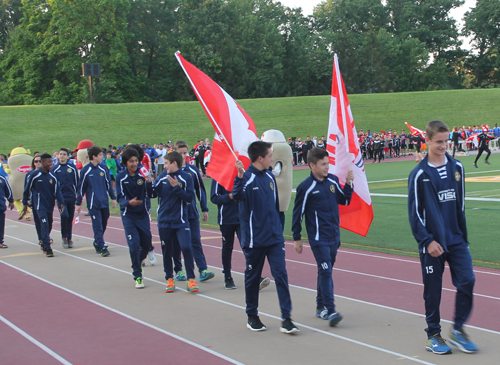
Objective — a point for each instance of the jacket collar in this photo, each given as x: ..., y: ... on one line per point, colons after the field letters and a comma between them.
x: 317, y: 180
x: 424, y: 165
x: 255, y: 170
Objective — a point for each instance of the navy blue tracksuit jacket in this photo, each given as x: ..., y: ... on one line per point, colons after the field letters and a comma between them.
x: 199, y: 189
x: 319, y: 201
x: 95, y: 183
x: 67, y: 178
x: 5, y: 193
x: 227, y: 209
x: 42, y: 189
x: 259, y: 208
x: 135, y: 187
x: 173, y: 202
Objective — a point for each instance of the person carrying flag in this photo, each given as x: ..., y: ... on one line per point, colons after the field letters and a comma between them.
x: 321, y: 192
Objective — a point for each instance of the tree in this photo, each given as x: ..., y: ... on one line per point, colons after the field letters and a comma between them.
x: 483, y: 24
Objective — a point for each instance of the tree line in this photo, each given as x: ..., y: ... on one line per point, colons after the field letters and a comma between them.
x: 252, y: 48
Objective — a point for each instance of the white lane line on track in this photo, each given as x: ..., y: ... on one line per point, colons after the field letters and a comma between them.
x: 32, y: 339
x: 360, y: 343
x: 117, y: 311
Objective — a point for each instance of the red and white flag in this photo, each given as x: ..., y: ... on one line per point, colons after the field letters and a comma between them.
x: 415, y: 131
x: 234, y: 129
x: 344, y: 154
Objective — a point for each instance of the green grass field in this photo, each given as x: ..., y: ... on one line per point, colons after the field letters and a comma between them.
x: 49, y: 127
x: 46, y: 128
x: 390, y: 231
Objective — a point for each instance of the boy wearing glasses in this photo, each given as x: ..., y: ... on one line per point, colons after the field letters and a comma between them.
x: 67, y: 178
x: 95, y: 184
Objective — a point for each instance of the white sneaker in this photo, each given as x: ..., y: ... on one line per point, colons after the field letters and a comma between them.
x: 152, y: 258
x: 264, y: 282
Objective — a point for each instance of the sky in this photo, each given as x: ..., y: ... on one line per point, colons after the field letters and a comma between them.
x: 308, y: 5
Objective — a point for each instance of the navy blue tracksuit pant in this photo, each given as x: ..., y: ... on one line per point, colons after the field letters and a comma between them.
x: 255, y: 258
x: 37, y: 224
x: 325, y: 256
x: 463, y: 278
x: 45, y: 219
x: 67, y: 220
x: 99, y: 223
x: 228, y: 231
x: 2, y: 225
x: 138, y: 234
x: 183, y: 236
x: 197, y: 249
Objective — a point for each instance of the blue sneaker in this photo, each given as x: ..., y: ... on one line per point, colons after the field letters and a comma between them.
x: 334, y: 318
x: 437, y: 345
x: 319, y: 312
x: 460, y: 339
x: 179, y: 276
x: 206, y: 275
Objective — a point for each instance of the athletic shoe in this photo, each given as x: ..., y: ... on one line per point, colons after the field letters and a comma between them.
x: 105, y: 252
x: 41, y: 244
x: 65, y: 243
x: 192, y: 287
x: 460, y: 339
x: 170, y: 286
x: 229, y: 283
x: 152, y: 258
x: 3, y: 245
x: 70, y: 244
x: 179, y: 276
x: 206, y: 275
x: 487, y: 162
x: 288, y: 327
x: 97, y: 249
x: 474, y: 164
x: 319, y: 312
x: 333, y: 318
x: 21, y: 214
x: 48, y: 252
x: 437, y: 345
x: 139, y: 283
x: 254, y: 324
x: 264, y: 282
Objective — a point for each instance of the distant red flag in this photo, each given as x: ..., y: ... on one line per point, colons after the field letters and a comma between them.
x: 415, y: 131
x: 234, y: 129
x: 344, y: 154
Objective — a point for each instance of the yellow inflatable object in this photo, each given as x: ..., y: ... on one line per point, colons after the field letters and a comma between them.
x: 282, y: 165
x: 20, y: 165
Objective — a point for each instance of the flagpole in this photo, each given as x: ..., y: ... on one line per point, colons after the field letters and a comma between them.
x: 204, y: 105
x: 342, y: 104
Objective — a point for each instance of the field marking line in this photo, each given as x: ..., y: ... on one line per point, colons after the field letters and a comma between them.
x: 224, y: 357
x: 469, y: 173
x: 34, y: 340
x: 314, y: 329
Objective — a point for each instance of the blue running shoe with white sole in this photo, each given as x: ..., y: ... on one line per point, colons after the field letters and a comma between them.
x: 461, y: 340
x: 437, y: 345
x: 320, y: 313
x: 206, y: 275
x: 179, y: 276
x: 334, y: 318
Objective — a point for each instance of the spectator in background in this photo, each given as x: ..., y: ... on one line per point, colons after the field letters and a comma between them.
x: 161, y: 151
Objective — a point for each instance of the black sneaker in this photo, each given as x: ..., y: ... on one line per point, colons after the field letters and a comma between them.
x: 48, y: 252
x: 105, y: 252
x: 487, y: 162
x: 254, y: 324
x: 474, y: 164
x: 288, y: 327
x: 97, y: 248
x: 229, y: 283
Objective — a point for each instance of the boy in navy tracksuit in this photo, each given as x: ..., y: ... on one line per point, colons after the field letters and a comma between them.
x: 95, y: 184
x: 132, y: 190
x: 436, y: 194
x: 261, y: 233
x: 228, y: 217
x: 174, y: 189
x: 194, y: 220
x: 67, y: 178
x: 318, y: 198
x: 5, y: 194
x: 42, y: 190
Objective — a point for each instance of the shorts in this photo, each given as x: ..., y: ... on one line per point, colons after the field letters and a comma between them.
x: 112, y: 178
